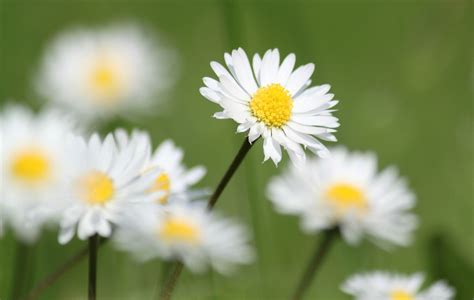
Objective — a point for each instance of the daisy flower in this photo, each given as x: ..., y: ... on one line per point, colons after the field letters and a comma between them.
x: 274, y: 101
x: 185, y: 231
x: 345, y: 190
x: 116, y: 69
x: 174, y: 180
x: 106, y: 180
x: 33, y: 167
x: 386, y: 286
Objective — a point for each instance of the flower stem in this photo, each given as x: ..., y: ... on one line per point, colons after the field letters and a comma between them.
x: 54, y: 276
x: 19, y: 271
x: 244, y: 149
x: 178, y: 266
x: 93, y: 249
x: 315, y: 262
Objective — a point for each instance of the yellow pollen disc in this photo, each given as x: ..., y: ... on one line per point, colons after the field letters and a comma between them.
x: 401, y: 295
x: 179, y: 230
x: 96, y: 188
x: 31, y: 166
x: 272, y: 105
x: 104, y: 81
x: 346, y: 196
x: 163, y: 184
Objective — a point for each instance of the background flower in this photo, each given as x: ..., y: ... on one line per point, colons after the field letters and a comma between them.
x: 104, y: 71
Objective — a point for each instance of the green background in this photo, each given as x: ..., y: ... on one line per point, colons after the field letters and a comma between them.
x: 403, y: 73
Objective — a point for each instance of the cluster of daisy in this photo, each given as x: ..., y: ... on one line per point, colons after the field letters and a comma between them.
x: 112, y: 187
x: 55, y: 172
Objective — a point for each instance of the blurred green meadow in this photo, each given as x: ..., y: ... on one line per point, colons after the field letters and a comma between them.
x: 403, y: 73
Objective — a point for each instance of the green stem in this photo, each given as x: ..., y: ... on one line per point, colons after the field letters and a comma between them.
x: 315, y: 262
x: 93, y: 249
x: 19, y: 271
x: 52, y: 277
x: 170, y: 284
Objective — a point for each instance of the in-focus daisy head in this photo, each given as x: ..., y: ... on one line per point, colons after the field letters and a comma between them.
x: 347, y: 191
x: 33, y: 167
x: 116, y: 69
x: 185, y: 231
x: 106, y: 179
x: 387, y: 286
x: 274, y: 101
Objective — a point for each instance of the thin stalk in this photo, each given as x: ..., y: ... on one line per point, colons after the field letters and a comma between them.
x: 93, y: 249
x: 244, y: 149
x: 47, y: 281
x: 178, y: 266
x: 171, y: 281
x: 321, y: 249
x: 19, y: 271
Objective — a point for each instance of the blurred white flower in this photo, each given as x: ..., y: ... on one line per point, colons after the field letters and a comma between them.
x: 33, y: 168
x: 345, y: 190
x: 386, y: 286
x: 118, y: 69
x: 276, y: 104
x: 186, y: 231
x: 173, y: 179
x: 107, y: 178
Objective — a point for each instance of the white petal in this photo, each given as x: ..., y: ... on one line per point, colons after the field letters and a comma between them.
x: 298, y: 78
x: 285, y: 69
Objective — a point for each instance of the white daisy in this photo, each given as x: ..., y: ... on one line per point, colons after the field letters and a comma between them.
x: 273, y: 101
x: 104, y: 71
x: 33, y: 165
x: 186, y: 231
x: 345, y: 190
x: 174, y: 180
x: 386, y: 286
x: 106, y: 180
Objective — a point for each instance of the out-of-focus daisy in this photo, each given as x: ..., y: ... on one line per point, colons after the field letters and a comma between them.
x: 33, y: 166
x: 106, y: 180
x: 186, y: 231
x: 272, y: 100
x: 173, y: 179
x: 116, y: 69
x: 345, y: 190
x: 386, y: 286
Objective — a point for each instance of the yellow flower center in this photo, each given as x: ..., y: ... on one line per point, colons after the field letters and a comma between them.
x: 31, y: 166
x: 104, y: 81
x: 96, y: 188
x: 179, y: 230
x: 346, y: 196
x: 272, y: 105
x: 163, y: 184
x: 401, y: 295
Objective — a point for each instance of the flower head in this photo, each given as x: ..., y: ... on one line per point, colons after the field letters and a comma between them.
x: 102, y: 72
x: 105, y: 181
x: 387, y: 286
x: 33, y: 167
x: 274, y: 101
x: 186, y: 231
x: 345, y: 190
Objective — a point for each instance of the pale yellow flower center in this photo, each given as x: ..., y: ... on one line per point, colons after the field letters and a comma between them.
x: 346, y: 196
x: 31, y: 166
x: 104, y: 80
x: 179, y: 230
x: 401, y: 295
x: 272, y: 105
x: 96, y: 188
x: 163, y: 184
